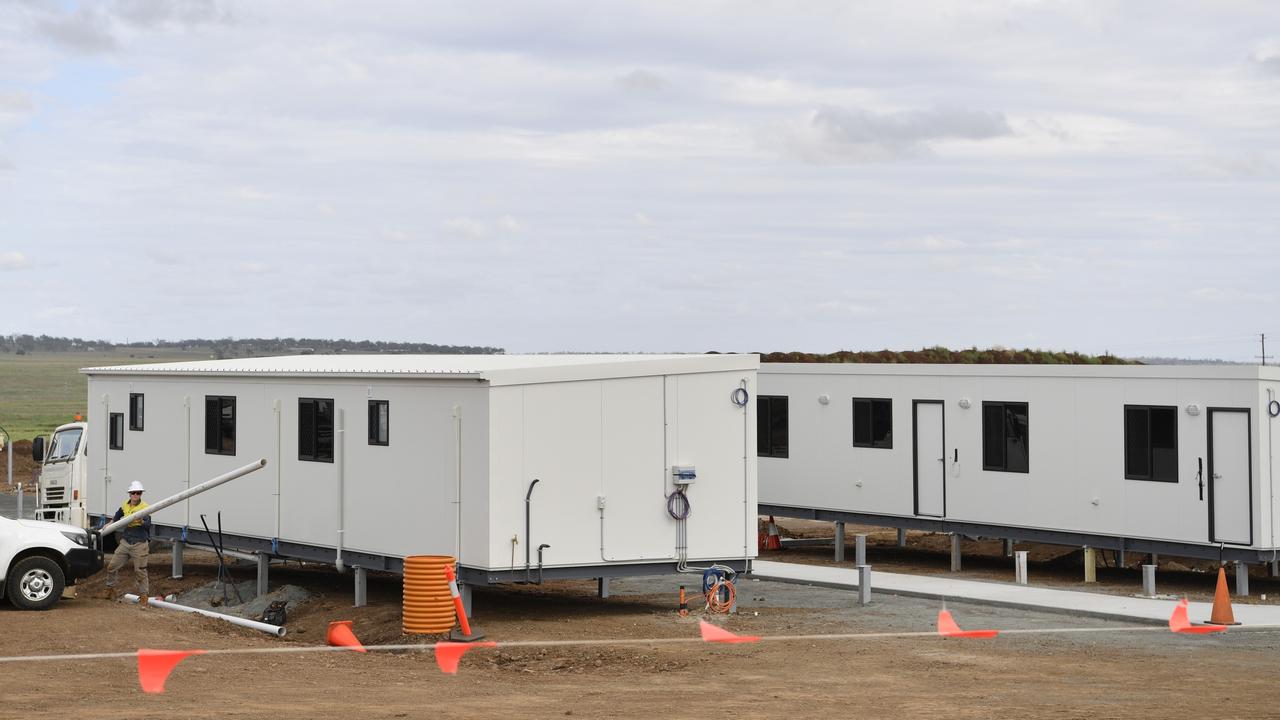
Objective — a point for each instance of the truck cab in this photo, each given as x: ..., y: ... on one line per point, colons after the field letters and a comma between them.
x: 64, y: 470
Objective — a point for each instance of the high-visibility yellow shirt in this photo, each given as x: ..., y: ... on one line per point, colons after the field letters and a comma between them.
x: 128, y: 509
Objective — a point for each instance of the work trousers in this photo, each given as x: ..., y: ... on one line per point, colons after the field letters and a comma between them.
x: 137, y: 552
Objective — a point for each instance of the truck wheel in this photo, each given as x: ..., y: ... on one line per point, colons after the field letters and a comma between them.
x: 35, y: 583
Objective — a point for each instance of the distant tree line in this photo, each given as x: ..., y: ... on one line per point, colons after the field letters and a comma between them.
x: 972, y: 356
x: 241, y: 347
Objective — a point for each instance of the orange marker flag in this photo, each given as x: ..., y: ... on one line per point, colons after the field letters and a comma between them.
x: 1179, y: 623
x: 449, y: 654
x: 947, y: 627
x: 340, y: 635
x: 711, y: 633
x: 154, y: 666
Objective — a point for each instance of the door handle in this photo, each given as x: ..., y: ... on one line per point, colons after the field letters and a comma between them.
x: 1200, y: 476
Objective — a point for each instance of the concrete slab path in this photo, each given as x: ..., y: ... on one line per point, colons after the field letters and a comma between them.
x: 1072, y: 602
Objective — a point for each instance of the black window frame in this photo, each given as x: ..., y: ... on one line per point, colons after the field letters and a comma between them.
x: 1005, y: 407
x: 115, y: 431
x: 311, y: 429
x: 766, y: 438
x: 137, y: 406
x: 381, y: 439
x: 216, y: 425
x: 872, y: 421
x: 1149, y: 451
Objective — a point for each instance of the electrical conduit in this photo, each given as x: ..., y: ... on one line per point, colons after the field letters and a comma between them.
x: 268, y: 628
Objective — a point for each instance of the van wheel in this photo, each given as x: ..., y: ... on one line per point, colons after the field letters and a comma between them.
x: 35, y: 583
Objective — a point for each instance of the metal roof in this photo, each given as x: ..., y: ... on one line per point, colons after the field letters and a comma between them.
x: 497, y: 369
x: 1171, y: 372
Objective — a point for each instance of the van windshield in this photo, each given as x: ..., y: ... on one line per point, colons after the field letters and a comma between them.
x: 65, y: 444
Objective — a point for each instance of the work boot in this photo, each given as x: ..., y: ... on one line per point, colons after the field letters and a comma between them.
x: 144, y: 602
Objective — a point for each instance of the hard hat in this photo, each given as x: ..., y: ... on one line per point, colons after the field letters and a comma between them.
x: 136, y: 486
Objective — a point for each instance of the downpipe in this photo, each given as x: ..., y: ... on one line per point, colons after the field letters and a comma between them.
x: 341, y: 451
x: 268, y: 628
x: 528, y: 565
x: 541, y: 547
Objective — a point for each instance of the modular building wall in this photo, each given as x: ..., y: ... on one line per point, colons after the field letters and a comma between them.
x: 934, y: 465
x: 398, y: 497
x: 462, y: 453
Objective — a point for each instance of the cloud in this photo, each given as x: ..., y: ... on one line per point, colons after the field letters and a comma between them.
x: 148, y: 13
x: 12, y: 261
x: 509, y: 224
x: 165, y: 256
x: 253, y: 194
x: 931, y: 243
x: 63, y: 311
x: 466, y: 227
x: 642, y: 81
x: 1229, y: 295
x: 87, y: 29
x: 836, y: 134
x: 906, y: 129
x: 95, y: 28
x: 1267, y: 56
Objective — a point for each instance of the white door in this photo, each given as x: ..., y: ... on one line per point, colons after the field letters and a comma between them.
x: 1230, y: 481
x: 930, y: 460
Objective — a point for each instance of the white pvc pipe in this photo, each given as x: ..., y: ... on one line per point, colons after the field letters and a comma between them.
x: 342, y: 487
x: 206, y: 485
x: 242, y: 622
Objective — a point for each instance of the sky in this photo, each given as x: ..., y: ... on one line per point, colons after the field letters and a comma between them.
x: 646, y: 176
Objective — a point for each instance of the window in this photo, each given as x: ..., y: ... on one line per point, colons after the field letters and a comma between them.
x: 135, y: 411
x: 872, y: 423
x: 379, y: 422
x: 1151, y: 443
x: 219, y: 425
x: 115, y: 440
x: 771, y: 426
x: 315, y: 429
x: 1004, y: 437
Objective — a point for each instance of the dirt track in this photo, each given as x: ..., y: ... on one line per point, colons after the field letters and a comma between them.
x: 1113, y: 675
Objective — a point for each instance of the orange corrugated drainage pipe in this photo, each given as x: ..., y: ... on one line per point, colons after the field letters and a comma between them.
x: 428, y: 605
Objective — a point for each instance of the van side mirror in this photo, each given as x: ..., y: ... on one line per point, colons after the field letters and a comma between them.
x: 37, y: 449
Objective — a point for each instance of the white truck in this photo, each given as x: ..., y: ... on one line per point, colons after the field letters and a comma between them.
x: 38, y: 559
x: 63, y: 474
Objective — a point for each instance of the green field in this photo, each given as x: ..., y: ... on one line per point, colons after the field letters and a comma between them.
x: 42, y: 390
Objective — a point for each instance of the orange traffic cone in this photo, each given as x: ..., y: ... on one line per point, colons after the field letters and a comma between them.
x: 340, y: 635
x: 1222, y: 614
x: 774, y: 540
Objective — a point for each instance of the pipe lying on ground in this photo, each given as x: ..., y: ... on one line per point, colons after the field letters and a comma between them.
x: 242, y: 622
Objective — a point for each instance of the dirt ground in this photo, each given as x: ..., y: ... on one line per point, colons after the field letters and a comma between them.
x: 1096, y: 675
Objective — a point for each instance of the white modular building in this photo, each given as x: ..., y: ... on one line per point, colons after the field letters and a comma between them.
x: 1152, y: 459
x: 523, y: 467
